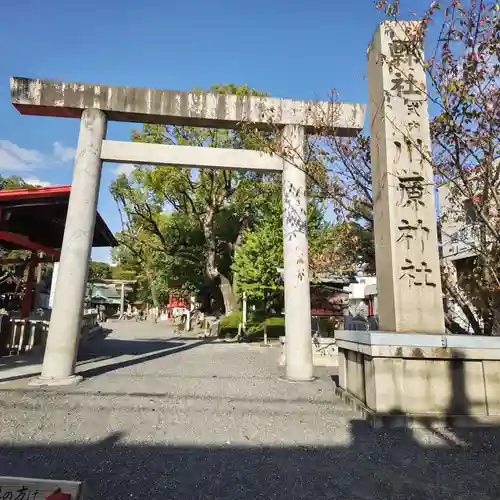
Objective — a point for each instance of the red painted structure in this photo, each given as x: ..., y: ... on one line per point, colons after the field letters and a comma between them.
x: 34, y: 219
x: 174, y: 302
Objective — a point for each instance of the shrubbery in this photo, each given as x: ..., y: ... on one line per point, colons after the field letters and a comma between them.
x: 274, y: 324
x: 256, y: 323
x: 229, y: 324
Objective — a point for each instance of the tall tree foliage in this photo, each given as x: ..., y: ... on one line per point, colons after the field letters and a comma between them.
x: 99, y: 270
x: 333, y: 249
x: 209, y: 209
x: 13, y: 182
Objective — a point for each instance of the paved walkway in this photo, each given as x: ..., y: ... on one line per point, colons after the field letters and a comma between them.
x: 162, y: 417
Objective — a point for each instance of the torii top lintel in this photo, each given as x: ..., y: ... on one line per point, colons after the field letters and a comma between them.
x: 128, y: 104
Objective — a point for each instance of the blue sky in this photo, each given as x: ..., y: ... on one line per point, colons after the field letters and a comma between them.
x: 289, y: 48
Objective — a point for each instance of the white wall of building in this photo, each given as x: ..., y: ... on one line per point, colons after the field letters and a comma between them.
x: 458, y: 235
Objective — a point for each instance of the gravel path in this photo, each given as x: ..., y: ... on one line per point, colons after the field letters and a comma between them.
x: 159, y: 417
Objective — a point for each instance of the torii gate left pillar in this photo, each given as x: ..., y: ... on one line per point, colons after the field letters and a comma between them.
x: 96, y: 104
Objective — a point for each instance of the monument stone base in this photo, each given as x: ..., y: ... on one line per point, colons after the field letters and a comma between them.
x: 417, y: 379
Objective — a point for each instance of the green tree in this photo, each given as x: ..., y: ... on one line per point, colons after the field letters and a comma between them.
x: 137, y: 255
x: 209, y: 209
x: 99, y: 270
x: 261, y: 253
x: 118, y: 272
x: 13, y: 182
x: 258, y: 258
x: 340, y: 248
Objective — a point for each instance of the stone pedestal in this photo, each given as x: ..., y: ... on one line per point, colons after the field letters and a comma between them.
x: 420, y: 379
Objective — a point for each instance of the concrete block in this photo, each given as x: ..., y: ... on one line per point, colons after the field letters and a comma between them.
x: 386, y: 394
x: 453, y: 387
x: 342, y: 368
x: 491, y: 370
x: 355, y: 378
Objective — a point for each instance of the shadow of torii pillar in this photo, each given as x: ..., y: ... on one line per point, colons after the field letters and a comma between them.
x: 96, y: 104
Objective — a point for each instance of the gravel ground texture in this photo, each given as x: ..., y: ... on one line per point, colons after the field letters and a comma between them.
x: 159, y: 416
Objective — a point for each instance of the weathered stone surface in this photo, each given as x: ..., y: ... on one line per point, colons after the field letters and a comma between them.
x: 299, y: 363
x: 354, y: 374
x: 419, y: 345
x: 491, y: 370
x: 51, y: 98
x: 395, y: 378
x: 408, y: 273
x: 425, y: 386
x: 189, y: 156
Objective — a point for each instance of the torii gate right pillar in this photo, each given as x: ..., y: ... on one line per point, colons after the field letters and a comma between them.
x: 298, y: 350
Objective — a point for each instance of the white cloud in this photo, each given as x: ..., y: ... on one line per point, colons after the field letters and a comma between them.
x: 63, y: 153
x: 35, y: 181
x: 15, y: 159
x: 124, y: 168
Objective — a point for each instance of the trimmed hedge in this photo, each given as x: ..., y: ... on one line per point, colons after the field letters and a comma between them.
x: 229, y: 324
x: 274, y: 324
x: 256, y: 323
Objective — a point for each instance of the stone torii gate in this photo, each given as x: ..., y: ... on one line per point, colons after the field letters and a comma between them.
x: 96, y: 104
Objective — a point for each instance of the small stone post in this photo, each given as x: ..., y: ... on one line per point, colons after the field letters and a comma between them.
x: 122, y: 299
x: 408, y: 273
x: 65, y: 323
x: 298, y: 341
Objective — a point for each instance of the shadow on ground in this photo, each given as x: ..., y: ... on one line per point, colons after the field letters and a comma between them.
x: 145, y: 350
x: 36, y: 355
x: 444, y: 463
x: 106, y: 350
x: 375, y: 465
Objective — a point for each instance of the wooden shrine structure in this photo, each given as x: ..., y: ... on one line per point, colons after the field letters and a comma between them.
x: 33, y: 219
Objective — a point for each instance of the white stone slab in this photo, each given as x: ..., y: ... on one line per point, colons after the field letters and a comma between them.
x: 189, y: 156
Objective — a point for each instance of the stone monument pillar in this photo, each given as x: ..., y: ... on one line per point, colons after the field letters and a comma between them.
x: 407, y: 258
x: 411, y: 367
x: 66, y: 318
